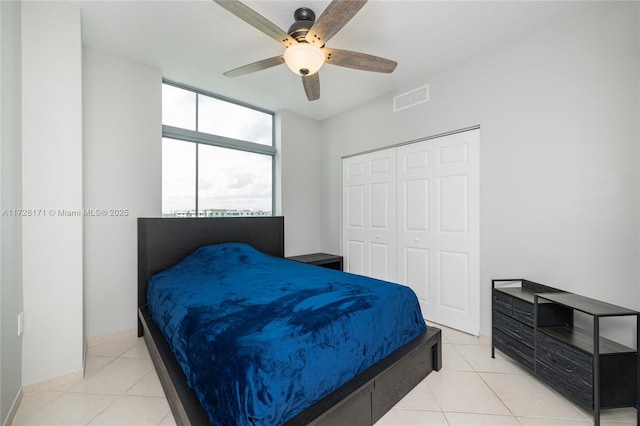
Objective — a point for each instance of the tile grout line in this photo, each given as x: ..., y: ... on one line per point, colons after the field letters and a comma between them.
x: 124, y: 392
x: 576, y: 407
x: 21, y: 420
x: 116, y: 396
x: 498, y: 396
x: 489, y: 386
x: 475, y: 371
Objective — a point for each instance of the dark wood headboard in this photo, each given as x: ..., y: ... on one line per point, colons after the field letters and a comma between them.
x: 162, y: 242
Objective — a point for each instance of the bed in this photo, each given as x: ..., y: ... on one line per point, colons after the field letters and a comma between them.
x: 177, y: 245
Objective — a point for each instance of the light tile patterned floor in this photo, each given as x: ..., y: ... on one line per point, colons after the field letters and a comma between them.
x: 121, y: 388
x: 474, y: 389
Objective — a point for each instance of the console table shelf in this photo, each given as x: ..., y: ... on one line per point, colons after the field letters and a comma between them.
x: 587, y: 305
x: 583, y: 340
x: 534, y: 324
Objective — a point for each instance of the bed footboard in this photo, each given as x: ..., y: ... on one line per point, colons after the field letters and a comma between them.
x: 361, y: 401
x: 371, y: 394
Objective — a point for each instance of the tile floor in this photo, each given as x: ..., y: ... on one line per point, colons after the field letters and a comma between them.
x: 121, y: 388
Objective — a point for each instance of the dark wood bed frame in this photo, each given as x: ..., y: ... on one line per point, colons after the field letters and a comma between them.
x: 362, y: 401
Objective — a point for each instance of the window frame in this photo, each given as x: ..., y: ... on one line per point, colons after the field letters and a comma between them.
x: 194, y: 136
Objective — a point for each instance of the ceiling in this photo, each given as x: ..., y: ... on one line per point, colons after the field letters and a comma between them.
x: 195, y: 41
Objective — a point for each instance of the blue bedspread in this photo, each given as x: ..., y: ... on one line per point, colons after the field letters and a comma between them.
x: 261, y: 338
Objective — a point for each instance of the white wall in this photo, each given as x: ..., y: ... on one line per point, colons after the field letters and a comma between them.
x: 123, y: 170
x: 559, y: 183
x: 52, y: 181
x: 300, y: 187
x: 10, y: 198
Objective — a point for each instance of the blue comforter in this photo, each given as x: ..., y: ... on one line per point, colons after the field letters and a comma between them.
x: 261, y: 338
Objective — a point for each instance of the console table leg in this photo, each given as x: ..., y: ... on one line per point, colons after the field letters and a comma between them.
x: 596, y: 370
x: 638, y: 369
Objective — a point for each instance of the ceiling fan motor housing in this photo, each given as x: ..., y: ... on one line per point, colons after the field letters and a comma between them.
x: 304, y: 19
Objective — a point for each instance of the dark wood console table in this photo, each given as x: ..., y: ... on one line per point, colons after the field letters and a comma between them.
x: 534, y: 324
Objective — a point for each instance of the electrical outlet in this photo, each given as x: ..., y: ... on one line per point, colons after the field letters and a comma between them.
x: 20, y: 323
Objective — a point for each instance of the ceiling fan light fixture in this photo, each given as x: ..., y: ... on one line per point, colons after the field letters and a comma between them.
x: 304, y: 58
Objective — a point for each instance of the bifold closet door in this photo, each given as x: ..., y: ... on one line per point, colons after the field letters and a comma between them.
x: 411, y: 216
x: 369, y: 214
x: 415, y: 236
x: 438, y: 227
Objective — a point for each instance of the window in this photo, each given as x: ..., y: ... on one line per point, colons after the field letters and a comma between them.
x: 217, y: 156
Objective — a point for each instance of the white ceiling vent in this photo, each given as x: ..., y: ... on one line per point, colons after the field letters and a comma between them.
x: 410, y: 99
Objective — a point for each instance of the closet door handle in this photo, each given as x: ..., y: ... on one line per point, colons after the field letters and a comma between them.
x: 378, y: 236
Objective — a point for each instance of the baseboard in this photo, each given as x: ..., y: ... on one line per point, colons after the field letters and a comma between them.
x: 56, y: 382
x: 14, y: 409
x: 53, y: 383
x: 93, y: 341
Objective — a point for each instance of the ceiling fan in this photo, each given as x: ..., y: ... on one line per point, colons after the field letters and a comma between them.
x: 304, y: 43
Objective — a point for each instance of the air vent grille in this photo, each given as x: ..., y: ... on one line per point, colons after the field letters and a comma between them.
x: 410, y: 99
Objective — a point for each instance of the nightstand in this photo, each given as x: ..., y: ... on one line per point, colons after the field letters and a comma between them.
x: 325, y: 260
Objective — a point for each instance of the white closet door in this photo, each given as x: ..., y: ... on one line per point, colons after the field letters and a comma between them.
x: 433, y: 188
x: 416, y: 220
x: 438, y: 229
x: 456, y: 271
x: 369, y: 214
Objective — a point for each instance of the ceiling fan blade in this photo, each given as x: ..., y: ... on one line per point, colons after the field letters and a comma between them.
x: 256, y: 66
x: 311, y: 85
x: 257, y: 21
x: 334, y: 17
x: 358, y: 61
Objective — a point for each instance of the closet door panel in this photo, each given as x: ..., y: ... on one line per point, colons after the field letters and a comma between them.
x: 456, y: 286
x: 415, y: 221
x: 379, y: 261
x: 355, y: 253
x: 381, y: 205
x: 415, y: 271
x: 453, y: 208
x: 416, y: 205
x: 369, y: 214
x: 453, y: 277
x: 355, y: 201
